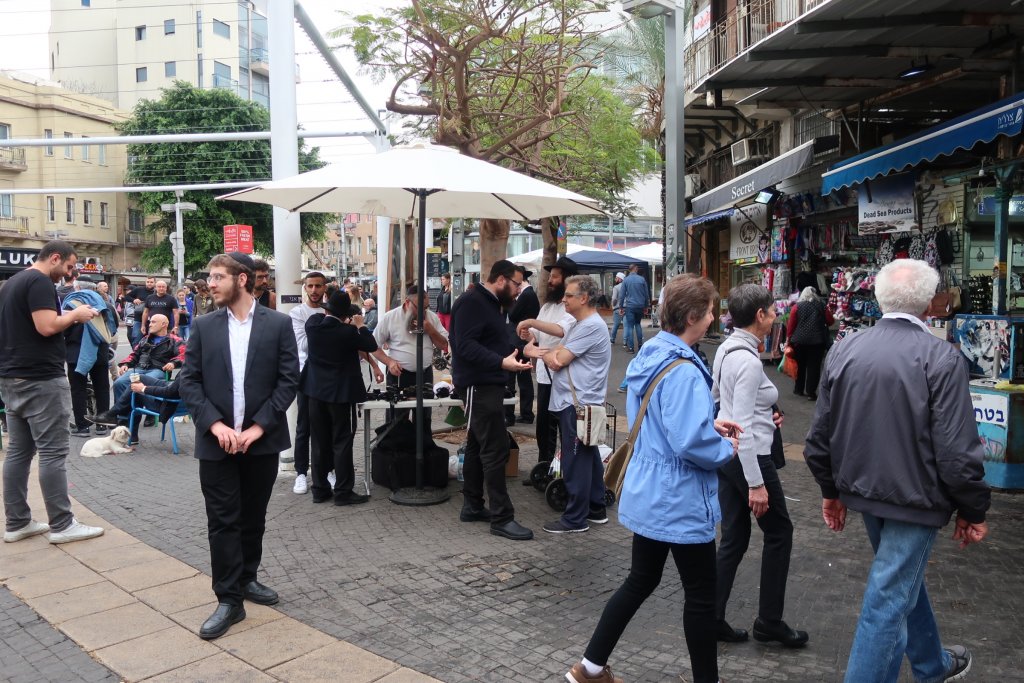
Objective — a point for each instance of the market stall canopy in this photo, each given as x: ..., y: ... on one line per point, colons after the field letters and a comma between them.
x: 536, y: 256
x: 653, y: 253
x: 605, y: 260
x: 766, y: 175
x: 1005, y: 117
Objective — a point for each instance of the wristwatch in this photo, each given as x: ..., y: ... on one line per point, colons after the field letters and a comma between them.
x: 759, y: 486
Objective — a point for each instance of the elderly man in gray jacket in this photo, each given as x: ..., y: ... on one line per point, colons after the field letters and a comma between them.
x: 894, y: 438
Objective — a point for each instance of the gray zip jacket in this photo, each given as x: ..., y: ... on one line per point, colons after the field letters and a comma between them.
x: 893, y: 433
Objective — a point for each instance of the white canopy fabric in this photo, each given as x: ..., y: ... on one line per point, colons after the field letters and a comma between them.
x: 652, y: 253
x: 535, y: 257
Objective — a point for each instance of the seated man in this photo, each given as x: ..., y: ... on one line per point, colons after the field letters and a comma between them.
x: 156, y: 353
x: 147, y: 386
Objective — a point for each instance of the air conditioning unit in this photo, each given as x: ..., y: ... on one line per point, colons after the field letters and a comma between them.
x: 657, y: 231
x: 692, y: 184
x: 748, y: 150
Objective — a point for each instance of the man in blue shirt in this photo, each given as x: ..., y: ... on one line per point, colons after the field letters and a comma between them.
x: 636, y: 297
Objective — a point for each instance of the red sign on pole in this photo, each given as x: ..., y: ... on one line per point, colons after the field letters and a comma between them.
x: 238, y: 238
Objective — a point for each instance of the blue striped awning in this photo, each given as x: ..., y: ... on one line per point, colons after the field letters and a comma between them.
x: 1005, y: 117
x: 708, y: 217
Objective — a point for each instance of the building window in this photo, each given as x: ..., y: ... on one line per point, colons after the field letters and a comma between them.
x: 51, y: 210
x: 168, y: 27
x: 170, y: 69
x: 221, y: 75
x: 49, y: 135
x: 199, y: 30
x: 104, y: 214
x: 86, y: 3
x: 221, y: 29
x: 69, y: 152
x: 199, y: 75
x: 85, y: 151
x: 140, y: 33
x: 5, y: 131
x: 103, y: 155
x: 141, y: 74
x: 6, y: 206
x: 134, y: 220
x: 87, y: 212
x: 69, y: 210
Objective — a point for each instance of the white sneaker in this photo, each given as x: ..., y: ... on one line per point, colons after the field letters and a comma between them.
x: 33, y: 528
x: 301, y: 485
x: 332, y: 479
x: 76, y: 532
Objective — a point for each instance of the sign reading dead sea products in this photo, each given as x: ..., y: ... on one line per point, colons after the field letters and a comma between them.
x: 887, y: 205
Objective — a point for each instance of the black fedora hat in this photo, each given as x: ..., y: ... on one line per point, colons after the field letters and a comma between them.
x: 339, y: 305
x: 566, y: 265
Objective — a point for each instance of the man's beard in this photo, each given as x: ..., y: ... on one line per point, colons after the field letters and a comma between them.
x: 231, y: 297
x: 506, y: 297
x: 555, y: 294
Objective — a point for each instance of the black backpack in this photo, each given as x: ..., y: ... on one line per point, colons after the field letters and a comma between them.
x: 944, y: 247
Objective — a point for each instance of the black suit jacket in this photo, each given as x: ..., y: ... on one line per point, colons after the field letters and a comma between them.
x: 169, y: 391
x: 526, y: 306
x: 271, y: 380
x: 332, y: 373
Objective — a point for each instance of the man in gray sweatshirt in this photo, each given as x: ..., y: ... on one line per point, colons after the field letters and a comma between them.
x: 894, y: 438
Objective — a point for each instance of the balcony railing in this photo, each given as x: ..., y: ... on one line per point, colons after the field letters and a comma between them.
x: 17, y: 224
x: 13, y: 159
x: 734, y: 35
x: 140, y: 239
x: 259, y: 60
x: 225, y: 83
x: 718, y: 168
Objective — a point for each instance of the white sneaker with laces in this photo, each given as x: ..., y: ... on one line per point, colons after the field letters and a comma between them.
x: 33, y: 528
x: 301, y: 485
x: 76, y: 532
x: 332, y: 479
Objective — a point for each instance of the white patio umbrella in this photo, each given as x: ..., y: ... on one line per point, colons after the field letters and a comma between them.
x: 653, y: 253
x: 535, y: 257
x: 397, y: 184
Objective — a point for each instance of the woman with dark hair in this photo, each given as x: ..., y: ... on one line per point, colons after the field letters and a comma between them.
x: 669, y: 496
x: 807, y: 333
x: 751, y: 483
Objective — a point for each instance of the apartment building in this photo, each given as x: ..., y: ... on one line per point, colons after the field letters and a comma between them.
x: 103, y: 226
x: 127, y: 51
x: 354, y: 255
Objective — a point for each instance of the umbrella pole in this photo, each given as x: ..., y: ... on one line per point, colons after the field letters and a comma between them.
x: 421, y: 495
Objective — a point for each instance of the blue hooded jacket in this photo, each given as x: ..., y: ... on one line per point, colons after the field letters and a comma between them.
x: 670, y: 492
x: 92, y: 336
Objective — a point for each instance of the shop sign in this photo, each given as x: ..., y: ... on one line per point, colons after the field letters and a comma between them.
x: 16, y: 258
x: 238, y: 238
x: 749, y: 237
x: 702, y: 22
x: 987, y: 207
x: 887, y: 205
x: 990, y: 409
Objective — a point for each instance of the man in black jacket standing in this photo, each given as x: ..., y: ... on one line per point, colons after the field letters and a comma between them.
x: 526, y: 306
x: 238, y: 406
x: 482, y: 357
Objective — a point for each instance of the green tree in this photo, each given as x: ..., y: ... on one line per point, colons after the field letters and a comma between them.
x: 508, y: 81
x: 185, y: 109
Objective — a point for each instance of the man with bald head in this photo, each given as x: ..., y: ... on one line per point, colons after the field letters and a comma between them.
x: 157, y: 352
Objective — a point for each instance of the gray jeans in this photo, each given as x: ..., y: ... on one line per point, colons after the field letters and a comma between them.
x: 37, y: 419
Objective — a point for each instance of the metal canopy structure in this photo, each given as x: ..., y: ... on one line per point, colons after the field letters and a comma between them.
x: 847, y: 53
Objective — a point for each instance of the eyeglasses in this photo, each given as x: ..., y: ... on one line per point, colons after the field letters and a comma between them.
x: 519, y: 284
x: 217, y: 277
x: 570, y: 295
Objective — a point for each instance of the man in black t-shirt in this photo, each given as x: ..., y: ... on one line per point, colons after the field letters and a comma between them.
x: 163, y: 303
x: 138, y: 297
x: 37, y: 394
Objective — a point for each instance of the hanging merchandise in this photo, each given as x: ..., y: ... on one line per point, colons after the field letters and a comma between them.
x: 916, y: 248
x: 944, y: 247
x: 782, y: 282
x: 885, y: 252
x: 931, y: 252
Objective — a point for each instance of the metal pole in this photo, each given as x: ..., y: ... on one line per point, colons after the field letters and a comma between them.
x: 675, y: 150
x: 172, y: 137
x: 179, y: 252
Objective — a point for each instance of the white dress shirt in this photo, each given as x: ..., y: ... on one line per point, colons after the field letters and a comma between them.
x: 299, y: 315
x: 239, y: 332
x: 551, y: 313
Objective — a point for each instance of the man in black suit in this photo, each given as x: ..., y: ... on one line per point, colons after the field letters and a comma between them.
x: 238, y: 406
x: 526, y: 306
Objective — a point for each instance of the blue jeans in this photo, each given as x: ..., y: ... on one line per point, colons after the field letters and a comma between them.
x: 135, y: 333
x: 633, y: 317
x: 184, y: 331
x: 616, y: 324
x: 582, y: 471
x: 123, y: 383
x: 896, y: 617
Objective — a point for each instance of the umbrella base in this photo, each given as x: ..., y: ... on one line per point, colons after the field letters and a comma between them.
x: 419, y: 497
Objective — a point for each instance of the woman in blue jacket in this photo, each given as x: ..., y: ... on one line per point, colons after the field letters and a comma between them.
x: 670, y: 493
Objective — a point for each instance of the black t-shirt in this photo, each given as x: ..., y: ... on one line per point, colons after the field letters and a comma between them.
x: 24, y: 353
x: 165, y: 305
x: 141, y: 293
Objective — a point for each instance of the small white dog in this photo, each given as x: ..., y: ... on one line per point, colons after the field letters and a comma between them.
x: 115, y: 442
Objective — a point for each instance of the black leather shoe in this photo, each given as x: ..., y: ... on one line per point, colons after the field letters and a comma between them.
x: 512, y: 530
x: 107, y: 418
x: 351, y: 499
x: 728, y: 634
x: 220, y: 621
x: 255, y: 591
x: 525, y: 420
x: 780, y: 632
x: 468, y: 514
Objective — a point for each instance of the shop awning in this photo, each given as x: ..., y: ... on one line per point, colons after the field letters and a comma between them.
x: 766, y: 175
x: 1005, y: 117
x: 708, y: 217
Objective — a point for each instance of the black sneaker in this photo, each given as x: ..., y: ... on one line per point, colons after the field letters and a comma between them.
x: 560, y: 527
x: 597, y: 517
x: 107, y: 418
x: 102, y: 430
x: 84, y: 432
x: 961, y: 662
x: 351, y: 499
x: 150, y: 421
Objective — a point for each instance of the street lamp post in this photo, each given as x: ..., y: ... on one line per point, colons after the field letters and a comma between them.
x: 675, y: 149
x: 177, y: 239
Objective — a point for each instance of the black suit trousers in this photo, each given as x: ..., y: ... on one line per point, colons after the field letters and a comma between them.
x: 79, y: 389
x: 302, y: 434
x: 237, y: 490
x: 486, y: 453
x: 547, y: 425
x: 524, y: 381
x: 333, y: 426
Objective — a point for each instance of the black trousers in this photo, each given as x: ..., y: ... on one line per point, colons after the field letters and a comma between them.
x: 808, y: 368
x: 487, y: 453
x: 547, y: 425
x: 733, y: 495
x: 333, y: 426
x: 79, y: 388
x: 302, y: 434
x: 524, y: 381
x: 696, y: 566
x: 408, y: 379
x: 237, y: 490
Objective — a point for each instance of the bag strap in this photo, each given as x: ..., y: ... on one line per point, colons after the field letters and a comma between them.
x: 718, y: 380
x: 635, y: 431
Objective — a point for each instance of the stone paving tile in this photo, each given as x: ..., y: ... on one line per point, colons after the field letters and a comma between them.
x: 337, y: 661
x: 148, y: 574
x: 155, y: 653
x: 178, y: 596
x: 117, y: 625
x: 39, y: 555
x: 32, y: 651
x: 107, y: 559
x: 220, y: 667
x: 273, y: 643
x: 255, y: 615
x: 36, y: 582
x: 57, y: 608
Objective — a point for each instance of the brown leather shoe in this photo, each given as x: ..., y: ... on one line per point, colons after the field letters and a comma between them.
x: 577, y: 674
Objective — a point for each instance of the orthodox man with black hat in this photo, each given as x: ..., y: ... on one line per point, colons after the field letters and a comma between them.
x: 333, y: 382
x: 482, y: 357
x: 526, y: 306
x: 547, y: 330
x: 240, y: 375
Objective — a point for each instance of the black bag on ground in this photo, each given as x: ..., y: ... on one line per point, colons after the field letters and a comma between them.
x: 393, y: 459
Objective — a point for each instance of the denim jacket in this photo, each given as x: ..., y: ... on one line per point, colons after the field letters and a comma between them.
x: 670, y: 492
